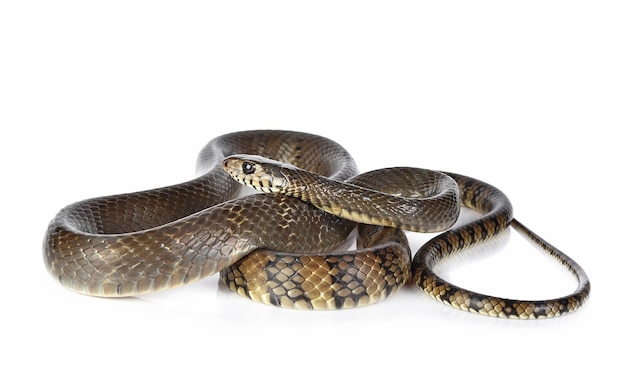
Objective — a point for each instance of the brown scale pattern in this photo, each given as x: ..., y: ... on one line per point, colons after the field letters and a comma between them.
x: 497, y: 216
x: 129, y: 244
x: 407, y: 198
x: 153, y: 240
x: 325, y: 281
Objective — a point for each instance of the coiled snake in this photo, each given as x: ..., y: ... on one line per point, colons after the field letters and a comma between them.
x: 280, y: 250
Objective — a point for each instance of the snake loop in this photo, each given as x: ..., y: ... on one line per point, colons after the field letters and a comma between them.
x: 285, y: 248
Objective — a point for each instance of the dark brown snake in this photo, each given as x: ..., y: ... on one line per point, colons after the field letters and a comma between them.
x: 280, y: 250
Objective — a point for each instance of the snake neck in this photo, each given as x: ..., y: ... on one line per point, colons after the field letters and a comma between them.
x: 371, y: 206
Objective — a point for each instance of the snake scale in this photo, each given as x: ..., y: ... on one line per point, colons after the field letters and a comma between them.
x: 289, y: 247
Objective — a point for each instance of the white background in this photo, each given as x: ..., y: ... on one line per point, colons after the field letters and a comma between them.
x: 99, y: 98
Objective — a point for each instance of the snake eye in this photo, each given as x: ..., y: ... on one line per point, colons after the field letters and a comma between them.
x: 247, y: 168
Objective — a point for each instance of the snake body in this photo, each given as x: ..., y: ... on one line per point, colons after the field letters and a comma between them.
x: 278, y: 249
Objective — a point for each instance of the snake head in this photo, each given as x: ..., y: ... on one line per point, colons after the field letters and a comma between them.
x: 257, y: 172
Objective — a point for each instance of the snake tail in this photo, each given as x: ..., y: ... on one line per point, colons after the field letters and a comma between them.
x: 497, y: 216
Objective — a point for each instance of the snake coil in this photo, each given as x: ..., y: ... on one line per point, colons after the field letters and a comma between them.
x: 279, y: 250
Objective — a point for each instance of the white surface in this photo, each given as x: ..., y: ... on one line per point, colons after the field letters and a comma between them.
x: 102, y: 99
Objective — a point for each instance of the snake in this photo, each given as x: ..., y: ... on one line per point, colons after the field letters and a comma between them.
x: 291, y: 245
